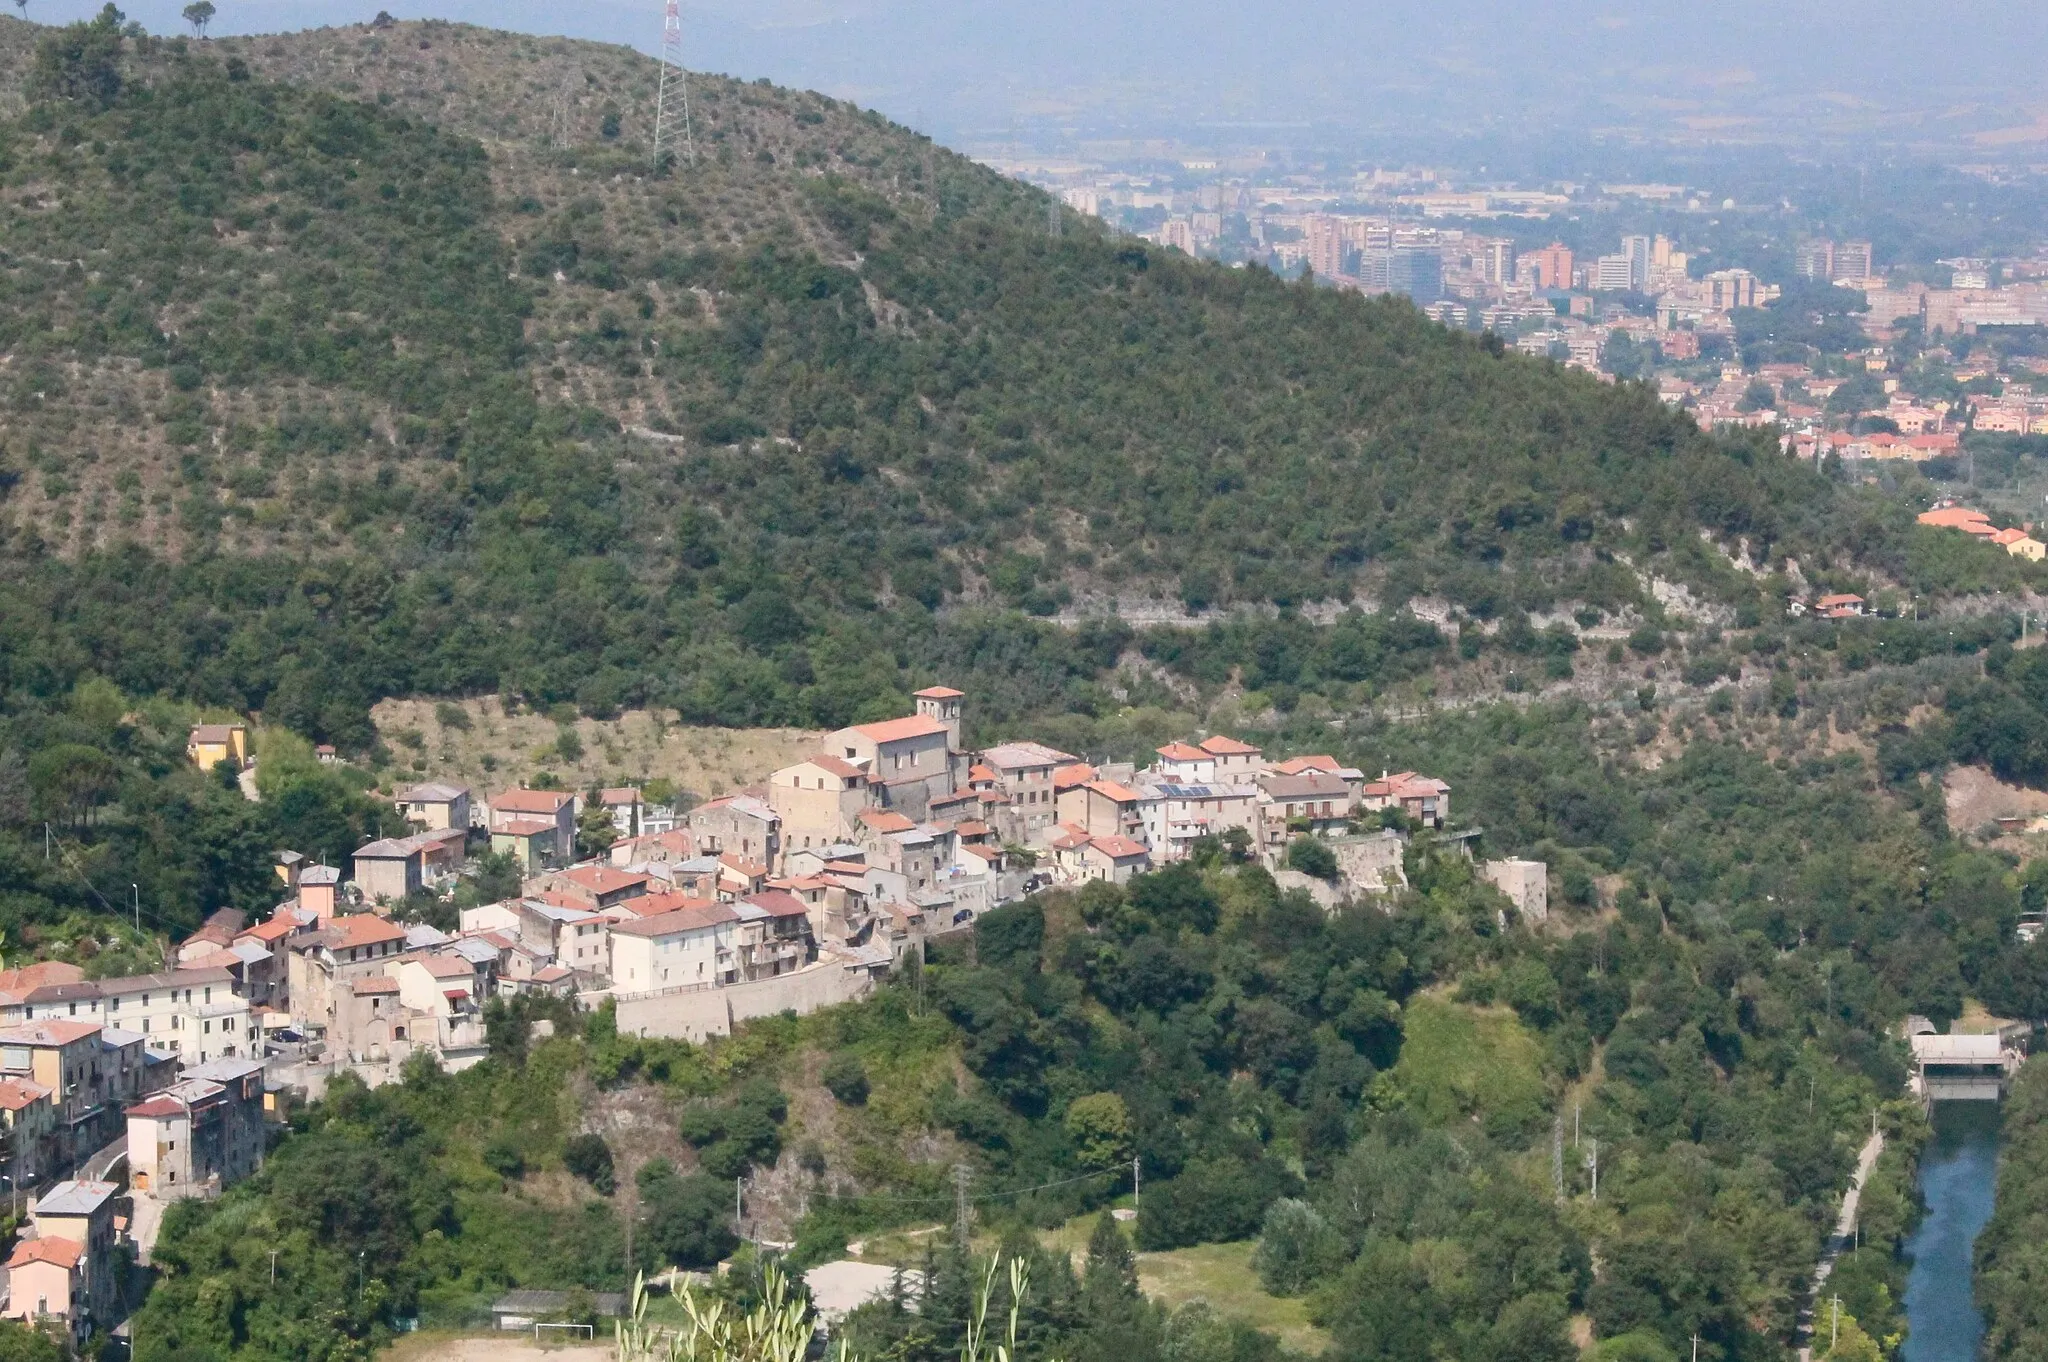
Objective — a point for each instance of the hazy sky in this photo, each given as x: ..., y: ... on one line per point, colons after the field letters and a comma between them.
x: 1910, y: 68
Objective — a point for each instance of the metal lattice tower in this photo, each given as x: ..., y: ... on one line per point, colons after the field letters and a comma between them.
x: 672, y: 96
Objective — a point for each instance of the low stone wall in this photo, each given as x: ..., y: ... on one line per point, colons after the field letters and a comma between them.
x: 698, y: 1014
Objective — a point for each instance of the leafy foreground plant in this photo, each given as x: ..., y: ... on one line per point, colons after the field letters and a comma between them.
x: 779, y: 1329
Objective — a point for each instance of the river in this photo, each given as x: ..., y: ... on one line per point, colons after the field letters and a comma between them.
x: 1958, y: 1178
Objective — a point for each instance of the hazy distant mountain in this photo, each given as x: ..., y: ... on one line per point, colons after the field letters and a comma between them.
x: 1902, y: 69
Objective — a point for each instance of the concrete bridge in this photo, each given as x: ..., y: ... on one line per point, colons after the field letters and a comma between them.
x: 1962, y: 1068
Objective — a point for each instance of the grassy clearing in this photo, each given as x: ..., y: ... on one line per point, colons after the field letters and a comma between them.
x: 1221, y: 1275
x: 497, y: 750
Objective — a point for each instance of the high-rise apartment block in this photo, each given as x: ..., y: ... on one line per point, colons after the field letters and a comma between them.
x: 1553, y: 266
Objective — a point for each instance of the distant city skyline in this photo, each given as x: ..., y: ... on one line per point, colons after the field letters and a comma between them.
x: 1960, y: 75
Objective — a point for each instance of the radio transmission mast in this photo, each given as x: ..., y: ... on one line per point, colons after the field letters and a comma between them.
x: 672, y: 97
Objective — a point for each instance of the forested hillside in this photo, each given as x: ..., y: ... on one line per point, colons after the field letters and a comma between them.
x: 373, y: 408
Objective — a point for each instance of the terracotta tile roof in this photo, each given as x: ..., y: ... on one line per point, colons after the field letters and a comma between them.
x: 678, y: 922
x: 1218, y: 745
x: 940, y: 693
x: 1180, y: 751
x: 602, y: 879
x: 523, y: 827
x: 1840, y: 599
x: 16, y: 1094
x: 900, y: 730
x: 1953, y: 518
x: 39, y: 975
x: 1067, y: 777
x: 363, y: 929
x: 654, y: 905
x: 618, y: 794
x: 779, y: 903
x: 1294, y: 766
x: 548, y: 802
x: 364, y: 988
x: 1122, y: 848
x: 49, y: 1033
x: 444, y: 966
x: 980, y: 772
x: 212, y: 733
x: 885, y: 820
x: 832, y: 765
x: 65, y: 1253
x: 272, y: 931
x: 1109, y: 789
x: 732, y: 861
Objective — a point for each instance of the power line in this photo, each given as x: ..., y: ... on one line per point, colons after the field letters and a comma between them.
x: 64, y: 854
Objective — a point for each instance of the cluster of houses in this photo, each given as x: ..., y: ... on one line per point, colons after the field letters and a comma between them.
x: 794, y: 894
x: 170, y: 1063
x: 2019, y: 541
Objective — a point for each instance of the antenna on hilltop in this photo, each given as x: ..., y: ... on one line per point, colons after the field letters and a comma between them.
x: 672, y: 96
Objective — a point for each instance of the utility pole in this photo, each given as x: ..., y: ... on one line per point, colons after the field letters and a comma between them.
x: 137, y: 891
x: 1695, y: 1347
x: 1593, y: 1165
x: 1557, y: 1158
x: 1134, y: 1182
x: 1835, y: 1329
x: 962, y: 1222
x: 739, y: 1225
x: 273, y: 1267
x: 672, y: 94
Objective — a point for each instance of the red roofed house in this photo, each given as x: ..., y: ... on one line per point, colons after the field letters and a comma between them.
x: 80, y: 1214
x: 1185, y: 764
x: 197, y: 1137
x: 28, y: 1121
x: 655, y: 848
x: 324, y: 963
x: 438, y: 985
x: 537, y: 826
x: 1841, y: 606
x: 1236, y: 762
x: 66, y: 1059
x: 1105, y: 808
x: 46, y: 1279
x: 1425, y: 799
x: 2020, y: 544
x: 596, y: 887
x: 1962, y: 518
x: 1295, y: 766
x: 818, y: 800
x: 1113, y: 859
x: 689, y: 947
x: 775, y: 934
x: 909, y: 761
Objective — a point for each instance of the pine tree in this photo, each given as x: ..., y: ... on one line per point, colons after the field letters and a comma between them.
x: 1111, y: 1274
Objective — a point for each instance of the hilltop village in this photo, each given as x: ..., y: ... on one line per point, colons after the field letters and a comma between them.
x: 790, y: 895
